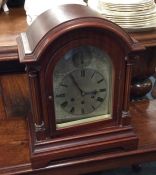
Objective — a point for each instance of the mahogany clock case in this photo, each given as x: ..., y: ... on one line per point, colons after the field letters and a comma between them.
x: 52, y: 35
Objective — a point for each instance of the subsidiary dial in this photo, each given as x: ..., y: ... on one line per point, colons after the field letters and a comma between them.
x: 81, y: 91
x: 81, y: 57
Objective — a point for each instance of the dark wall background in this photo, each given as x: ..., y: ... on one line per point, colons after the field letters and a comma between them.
x: 15, y: 3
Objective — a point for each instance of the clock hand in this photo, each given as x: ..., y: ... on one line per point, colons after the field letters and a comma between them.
x: 76, y: 84
x: 92, y: 93
x: 95, y: 91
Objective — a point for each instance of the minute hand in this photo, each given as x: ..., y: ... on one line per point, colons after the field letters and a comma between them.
x: 76, y: 84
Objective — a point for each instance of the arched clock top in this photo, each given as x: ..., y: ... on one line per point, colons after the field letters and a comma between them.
x: 66, y: 18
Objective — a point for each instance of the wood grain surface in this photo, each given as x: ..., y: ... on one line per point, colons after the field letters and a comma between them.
x: 14, y: 148
x: 11, y: 25
x: 15, y: 95
x: 144, y: 121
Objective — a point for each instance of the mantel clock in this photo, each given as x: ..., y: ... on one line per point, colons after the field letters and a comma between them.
x: 79, y: 69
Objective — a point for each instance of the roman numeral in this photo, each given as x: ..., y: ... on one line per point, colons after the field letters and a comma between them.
x: 92, y: 75
x: 100, y: 81
x: 102, y: 90
x: 93, y: 107
x: 64, y: 104
x: 72, y: 110
x: 82, y: 73
x: 60, y: 95
x: 64, y: 85
x: 100, y: 99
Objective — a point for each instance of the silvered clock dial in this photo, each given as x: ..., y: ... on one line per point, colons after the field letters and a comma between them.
x: 81, y: 91
x: 82, y: 86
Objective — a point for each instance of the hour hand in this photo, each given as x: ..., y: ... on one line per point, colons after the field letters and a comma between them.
x: 91, y: 92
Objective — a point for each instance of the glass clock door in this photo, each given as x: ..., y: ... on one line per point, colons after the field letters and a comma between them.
x: 82, y: 83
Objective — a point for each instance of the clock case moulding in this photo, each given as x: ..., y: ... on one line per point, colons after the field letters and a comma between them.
x: 40, y: 47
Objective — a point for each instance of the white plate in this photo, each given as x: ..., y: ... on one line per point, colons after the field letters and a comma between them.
x: 138, y: 18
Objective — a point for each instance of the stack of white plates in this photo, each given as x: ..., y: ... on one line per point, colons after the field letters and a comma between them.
x: 130, y: 14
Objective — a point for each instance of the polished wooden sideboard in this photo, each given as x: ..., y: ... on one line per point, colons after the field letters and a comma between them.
x: 11, y: 25
x: 14, y: 107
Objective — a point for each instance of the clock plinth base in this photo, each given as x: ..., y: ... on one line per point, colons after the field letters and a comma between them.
x: 120, y: 139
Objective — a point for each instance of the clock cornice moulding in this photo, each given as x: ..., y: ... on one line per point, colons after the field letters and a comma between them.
x: 50, y: 29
